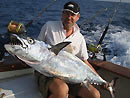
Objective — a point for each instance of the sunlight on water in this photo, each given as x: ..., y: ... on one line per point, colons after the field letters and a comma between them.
x: 121, y: 48
x: 116, y: 44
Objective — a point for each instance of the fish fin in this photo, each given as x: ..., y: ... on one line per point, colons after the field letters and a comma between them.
x: 58, y: 47
x: 111, y: 87
x: 2, y: 95
x: 86, y: 84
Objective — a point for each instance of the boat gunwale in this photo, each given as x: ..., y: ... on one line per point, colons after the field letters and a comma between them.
x: 11, y: 63
x: 118, y: 69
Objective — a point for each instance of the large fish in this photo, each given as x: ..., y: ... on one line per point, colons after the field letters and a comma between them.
x: 53, y: 61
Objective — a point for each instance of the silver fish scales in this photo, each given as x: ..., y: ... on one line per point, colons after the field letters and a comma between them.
x: 54, y: 62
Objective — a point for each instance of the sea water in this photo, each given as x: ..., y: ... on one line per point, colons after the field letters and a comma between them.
x: 116, y: 43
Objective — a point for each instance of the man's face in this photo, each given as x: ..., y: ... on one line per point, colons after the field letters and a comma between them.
x: 69, y: 19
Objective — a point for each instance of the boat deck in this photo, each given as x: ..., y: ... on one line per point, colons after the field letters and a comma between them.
x: 19, y: 87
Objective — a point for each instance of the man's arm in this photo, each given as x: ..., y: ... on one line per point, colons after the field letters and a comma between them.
x: 86, y: 61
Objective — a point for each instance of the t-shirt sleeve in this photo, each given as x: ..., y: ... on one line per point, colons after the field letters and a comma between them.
x: 43, y: 32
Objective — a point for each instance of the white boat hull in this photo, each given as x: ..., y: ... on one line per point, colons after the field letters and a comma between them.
x: 19, y: 87
x: 15, y: 73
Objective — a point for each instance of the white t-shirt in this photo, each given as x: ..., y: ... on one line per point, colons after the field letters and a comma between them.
x: 53, y: 33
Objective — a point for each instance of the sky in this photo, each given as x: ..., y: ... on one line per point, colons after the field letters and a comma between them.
x: 128, y: 1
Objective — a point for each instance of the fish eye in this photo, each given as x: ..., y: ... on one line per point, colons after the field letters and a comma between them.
x: 30, y: 40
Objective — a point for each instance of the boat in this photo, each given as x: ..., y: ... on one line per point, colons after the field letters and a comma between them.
x: 108, y: 71
x: 17, y: 79
x: 12, y: 67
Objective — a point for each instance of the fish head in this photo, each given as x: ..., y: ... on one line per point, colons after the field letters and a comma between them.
x: 26, y: 48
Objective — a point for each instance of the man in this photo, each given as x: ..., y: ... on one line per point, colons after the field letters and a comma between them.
x: 54, y: 32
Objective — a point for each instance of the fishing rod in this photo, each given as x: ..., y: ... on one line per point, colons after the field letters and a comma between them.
x: 39, y: 14
x: 19, y: 28
x: 95, y: 48
x: 97, y: 13
x: 106, y: 28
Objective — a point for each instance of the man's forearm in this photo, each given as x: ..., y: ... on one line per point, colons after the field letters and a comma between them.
x: 86, y: 61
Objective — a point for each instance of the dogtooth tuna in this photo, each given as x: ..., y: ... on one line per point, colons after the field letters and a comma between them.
x: 54, y: 61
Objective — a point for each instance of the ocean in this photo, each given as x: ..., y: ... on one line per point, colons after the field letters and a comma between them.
x: 116, y: 43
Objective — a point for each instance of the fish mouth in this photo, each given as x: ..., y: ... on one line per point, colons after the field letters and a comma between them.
x: 15, y: 40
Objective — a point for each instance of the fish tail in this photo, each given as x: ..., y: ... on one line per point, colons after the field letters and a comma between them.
x: 111, y: 87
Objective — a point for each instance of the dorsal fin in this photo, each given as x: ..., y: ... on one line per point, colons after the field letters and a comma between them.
x: 58, y: 47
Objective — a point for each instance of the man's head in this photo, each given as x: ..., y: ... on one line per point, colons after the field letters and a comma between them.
x: 71, y: 14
